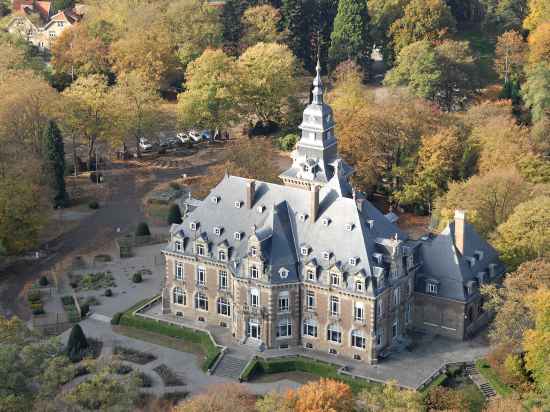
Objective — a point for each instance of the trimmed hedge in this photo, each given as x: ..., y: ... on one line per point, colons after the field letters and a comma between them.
x: 179, y: 332
x: 301, y: 364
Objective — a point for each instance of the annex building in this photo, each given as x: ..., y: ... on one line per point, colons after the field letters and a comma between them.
x: 312, y: 263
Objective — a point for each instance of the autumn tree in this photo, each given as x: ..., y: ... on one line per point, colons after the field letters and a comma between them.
x: 389, y: 397
x: 524, y: 236
x: 195, y: 26
x: 439, y: 163
x: 211, y: 90
x: 539, y: 44
x: 422, y: 20
x: 350, y: 39
x: 510, y: 55
x: 445, y: 73
x: 489, y: 199
x: 261, y: 24
x: 267, y: 77
x: 504, y: 14
x: 219, y: 398
x: 536, y: 91
x: 383, y: 14
x: 326, y: 395
x: 539, y: 12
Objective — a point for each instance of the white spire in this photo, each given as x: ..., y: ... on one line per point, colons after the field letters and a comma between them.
x: 318, y: 86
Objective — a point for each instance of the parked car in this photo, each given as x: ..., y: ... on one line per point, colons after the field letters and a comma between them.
x: 183, y: 137
x: 144, y: 144
x: 169, y: 142
x: 195, y: 135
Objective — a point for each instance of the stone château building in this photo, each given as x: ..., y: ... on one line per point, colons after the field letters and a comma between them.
x: 313, y: 264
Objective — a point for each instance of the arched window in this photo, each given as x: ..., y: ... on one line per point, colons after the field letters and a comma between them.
x: 224, y: 307
x: 179, y: 297
x: 334, y: 334
x: 358, y: 340
x: 201, y: 301
x: 310, y: 328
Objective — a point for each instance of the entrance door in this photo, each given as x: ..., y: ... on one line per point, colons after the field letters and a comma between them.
x: 254, y: 330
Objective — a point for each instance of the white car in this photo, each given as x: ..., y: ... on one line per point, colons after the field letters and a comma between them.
x: 195, y: 135
x: 183, y: 137
x: 144, y: 144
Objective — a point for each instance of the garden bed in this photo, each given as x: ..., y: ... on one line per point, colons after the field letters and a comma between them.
x: 92, y: 281
x: 134, y: 356
x: 168, y: 376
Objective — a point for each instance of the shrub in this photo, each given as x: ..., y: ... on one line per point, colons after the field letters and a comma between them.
x: 37, y: 309
x: 67, y: 300
x: 34, y: 296
x: 288, y: 142
x: 134, y: 356
x: 136, y: 278
x: 115, y: 320
x: 174, y: 215
x: 43, y: 281
x: 145, y: 380
x: 440, y: 398
x: 84, y: 309
x: 108, y: 292
x: 168, y: 376
x: 72, y: 314
x: 121, y: 369
x: 93, y: 204
x: 77, y: 344
x: 143, y: 229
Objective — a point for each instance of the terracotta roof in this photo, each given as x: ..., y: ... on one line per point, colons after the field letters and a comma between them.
x: 43, y: 8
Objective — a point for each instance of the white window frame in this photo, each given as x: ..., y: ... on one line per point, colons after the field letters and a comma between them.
x: 380, y: 336
x: 201, y: 249
x: 238, y: 204
x: 359, y: 311
x: 359, y: 285
x: 334, y: 306
x: 334, y: 279
x: 326, y: 255
x: 284, y: 328
x: 237, y: 235
x: 310, y: 328
x: 253, y: 251
x: 396, y: 296
x: 201, y: 297
x: 352, y: 261
x: 396, y: 325
x: 325, y: 221
x: 223, y: 305
x: 201, y: 276
x: 217, y: 231
x: 223, y: 280
x: 254, y: 272
x: 431, y: 288
x: 304, y: 251
x: 358, y: 340
x: 194, y: 225
x: 177, y: 294
x: 283, y: 302
x: 179, y: 271
x: 310, y: 299
x: 380, y: 308
x: 311, y: 275
x: 334, y: 331
x: 254, y: 298
x: 408, y: 313
x: 222, y: 255
x: 348, y: 227
x: 178, y: 245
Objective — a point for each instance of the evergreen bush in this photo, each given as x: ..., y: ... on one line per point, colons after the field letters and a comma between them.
x: 115, y: 320
x: 174, y: 215
x: 84, y: 309
x: 93, y: 205
x: 137, y: 278
x: 77, y: 344
x: 43, y: 281
x: 108, y: 292
x: 143, y: 229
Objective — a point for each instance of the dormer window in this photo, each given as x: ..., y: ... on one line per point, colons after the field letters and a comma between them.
x: 352, y: 261
x: 194, y: 225
x: 215, y: 199
x: 432, y: 287
x: 326, y: 255
x: 304, y: 251
x: 254, y: 273
x: 238, y: 204
x: 253, y: 251
x: 222, y: 255
x: 178, y: 245
x: 218, y: 230
x: 302, y: 217
x: 200, y: 249
x: 479, y: 254
x: 283, y: 273
x: 311, y: 275
x: 348, y: 227
x: 325, y: 221
x: 359, y: 286
x: 306, y: 168
x: 260, y: 209
x: 378, y: 257
x: 237, y: 235
x: 335, y: 279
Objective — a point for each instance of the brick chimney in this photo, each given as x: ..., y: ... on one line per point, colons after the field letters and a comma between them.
x: 460, y: 220
x: 314, y: 203
x: 250, y: 192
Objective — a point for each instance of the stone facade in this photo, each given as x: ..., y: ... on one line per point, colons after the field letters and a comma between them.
x: 313, y: 264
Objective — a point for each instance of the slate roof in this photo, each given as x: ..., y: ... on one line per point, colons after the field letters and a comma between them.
x: 444, y: 263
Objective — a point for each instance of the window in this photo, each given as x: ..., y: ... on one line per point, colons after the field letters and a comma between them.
x: 408, y: 313
x: 283, y: 302
x: 302, y: 217
x: 215, y: 199
x: 310, y: 299
x: 200, y: 249
x: 201, y: 276
x: 254, y: 298
x: 59, y: 24
x: 260, y: 209
x: 179, y: 270
x: 224, y: 307
x: 222, y: 279
x: 52, y: 34
x: 358, y: 340
x: 237, y: 235
x: 179, y: 296
x: 238, y: 204
x: 304, y: 251
x: 410, y: 261
x: 380, y: 337
x: 311, y: 275
x: 359, y: 311
x: 348, y: 227
x: 253, y: 251
x: 178, y: 245
x: 283, y: 273
x: 335, y: 279
x: 284, y: 328
x: 393, y: 271
x: 217, y: 231
x: 222, y: 255
x: 193, y: 225
x: 396, y: 296
x: 326, y: 255
x: 431, y: 288
x: 334, y: 306
x: 201, y: 301
x: 359, y: 286
x: 380, y: 308
x: 326, y: 221
x: 334, y: 334
x: 395, y: 329
x: 253, y: 272
x: 310, y: 328
x: 352, y: 261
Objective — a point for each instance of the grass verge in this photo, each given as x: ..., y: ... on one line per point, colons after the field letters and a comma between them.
x: 500, y: 387
x: 180, y: 338
x: 301, y: 364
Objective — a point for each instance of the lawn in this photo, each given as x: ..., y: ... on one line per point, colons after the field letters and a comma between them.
x: 500, y: 387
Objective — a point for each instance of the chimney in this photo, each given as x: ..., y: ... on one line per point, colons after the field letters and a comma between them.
x: 250, y: 192
x: 314, y: 203
x: 460, y: 220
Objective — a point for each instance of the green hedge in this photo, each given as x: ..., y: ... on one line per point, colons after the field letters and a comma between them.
x: 301, y: 364
x: 179, y: 332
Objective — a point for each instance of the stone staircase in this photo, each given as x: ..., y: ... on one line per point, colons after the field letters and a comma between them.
x: 480, y: 381
x: 230, y: 366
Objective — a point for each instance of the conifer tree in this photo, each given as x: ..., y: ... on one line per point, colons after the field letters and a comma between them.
x: 350, y: 37
x: 232, y: 26
x: 174, y: 215
x: 55, y: 152
x: 295, y: 21
x: 76, y: 344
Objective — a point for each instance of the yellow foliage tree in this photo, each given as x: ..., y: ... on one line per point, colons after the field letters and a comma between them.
x: 539, y: 44
x: 389, y: 398
x: 326, y: 395
x: 539, y: 12
x: 220, y: 398
x: 261, y: 24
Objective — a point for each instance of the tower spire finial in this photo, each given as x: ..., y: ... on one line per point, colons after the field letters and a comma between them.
x: 318, y: 83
